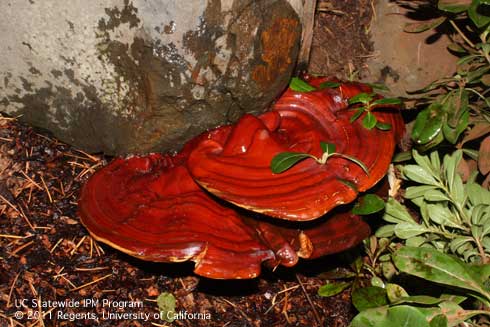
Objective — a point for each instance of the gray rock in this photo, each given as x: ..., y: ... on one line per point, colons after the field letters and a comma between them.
x: 137, y: 76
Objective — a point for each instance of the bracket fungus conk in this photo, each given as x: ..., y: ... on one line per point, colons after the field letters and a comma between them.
x: 168, y: 208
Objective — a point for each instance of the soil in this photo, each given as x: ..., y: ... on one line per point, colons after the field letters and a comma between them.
x: 341, y: 40
x: 47, y: 255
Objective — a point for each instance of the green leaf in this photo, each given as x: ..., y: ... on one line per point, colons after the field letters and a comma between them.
x: 482, y: 272
x: 452, y: 134
x: 166, y: 305
x: 428, y: 123
x: 416, y: 241
x: 402, y: 156
x: 476, y: 74
x: 383, y: 126
x: 354, y: 160
x: 419, y: 27
x: 332, y: 289
x: 473, y: 154
x: 477, y: 194
x: 455, y: 47
x: 298, y: 85
x: 439, y: 321
x: 369, y: 297
x: 418, y: 174
x: 329, y: 85
x: 458, y: 242
x: 435, y: 196
x: 370, y: 318
x: 435, y: 161
x: 285, y: 160
x: 408, y: 230
x: 378, y: 86
x: 398, y: 316
x: 369, y: 121
x: 458, y: 191
x: 442, y: 215
x: 424, y: 162
x: 455, y: 314
x: 413, y: 192
x: 451, y: 163
x: 368, y: 204
x: 405, y: 315
x: 385, y: 231
x: 432, y: 143
x: 396, y: 213
x: 437, y: 267
x: 378, y: 282
x: 466, y: 59
x: 328, y: 147
x: 357, y: 114
x: 349, y: 183
x: 479, y: 16
x: 364, y: 98
x: 387, y: 101
x: 419, y: 299
x: 480, y: 215
x: 454, y: 6
x: 395, y: 292
x: 453, y: 298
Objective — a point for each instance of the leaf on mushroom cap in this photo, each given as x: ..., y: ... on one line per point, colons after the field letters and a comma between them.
x: 236, y: 166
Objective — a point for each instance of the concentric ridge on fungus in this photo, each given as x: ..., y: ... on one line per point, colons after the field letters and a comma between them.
x: 152, y: 208
x: 236, y: 166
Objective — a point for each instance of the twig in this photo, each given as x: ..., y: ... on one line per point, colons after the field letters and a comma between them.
x: 274, y: 303
x: 23, y: 215
x: 15, y: 236
x: 56, y: 245
x: 67, y: 280
x: 471, y: 44
x: 90, y: 283
x: 91, y: 157
x: 315, y: 313
x: 46, y: 188
x: 31, y: 180
x: 92, y: 269
x: 12, y: 321
x: 77, y: 246
x: 239, y: 310
x: 12, y: 288
x: 9, y: 203
x: 22, y: 247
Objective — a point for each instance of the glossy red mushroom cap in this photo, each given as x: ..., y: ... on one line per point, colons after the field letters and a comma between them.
x: 236, y: 166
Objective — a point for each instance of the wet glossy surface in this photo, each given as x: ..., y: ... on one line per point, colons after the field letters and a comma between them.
x: 236, y: 167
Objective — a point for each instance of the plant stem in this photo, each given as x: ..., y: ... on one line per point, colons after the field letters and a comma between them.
x: 484, y: 258
x: 471, y: 44
x: 483, y: 38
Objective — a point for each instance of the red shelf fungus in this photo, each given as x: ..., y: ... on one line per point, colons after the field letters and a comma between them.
x: 236, y: 165
x: 152, y: 208
x: 149, y: 207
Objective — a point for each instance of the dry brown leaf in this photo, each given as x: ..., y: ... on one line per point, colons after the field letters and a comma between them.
x: 477, y: 131
x: 484, y: 156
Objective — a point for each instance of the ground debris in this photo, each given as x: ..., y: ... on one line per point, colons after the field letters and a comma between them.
x: 46, y: 256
